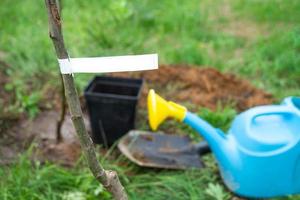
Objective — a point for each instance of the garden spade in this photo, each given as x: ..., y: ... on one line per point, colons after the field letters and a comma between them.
x: 149, y: 149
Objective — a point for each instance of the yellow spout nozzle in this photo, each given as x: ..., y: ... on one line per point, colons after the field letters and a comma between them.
x: 159, y: 110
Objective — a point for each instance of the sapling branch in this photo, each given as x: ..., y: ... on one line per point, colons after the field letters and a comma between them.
x: 61, y: 118
x: 108, y: 179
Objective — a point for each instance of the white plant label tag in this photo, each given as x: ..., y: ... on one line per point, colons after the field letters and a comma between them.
x: 108, y: 64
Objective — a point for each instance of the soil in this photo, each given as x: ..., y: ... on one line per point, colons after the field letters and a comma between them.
x: 42, y: 131
x: 193, y: 86
x: 205, y: 87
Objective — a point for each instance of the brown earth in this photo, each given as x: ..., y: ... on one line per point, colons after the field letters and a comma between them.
x: 205, y: 87
x: 42, y: 131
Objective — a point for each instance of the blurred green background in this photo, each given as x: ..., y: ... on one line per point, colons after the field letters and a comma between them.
x: 259, y: 40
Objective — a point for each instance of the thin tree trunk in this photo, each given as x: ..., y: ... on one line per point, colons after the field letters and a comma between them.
x: 109, y: 179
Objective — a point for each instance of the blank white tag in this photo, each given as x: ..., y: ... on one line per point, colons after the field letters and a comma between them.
x: 108, y: 64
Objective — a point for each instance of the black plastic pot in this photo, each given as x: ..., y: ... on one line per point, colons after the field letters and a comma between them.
x: 111, y: 103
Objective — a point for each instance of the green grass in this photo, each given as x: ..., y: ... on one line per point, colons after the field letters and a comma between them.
x: 258, y: 40
x: 32, y: 180
x: 270, y: 11
x: 277, y: 55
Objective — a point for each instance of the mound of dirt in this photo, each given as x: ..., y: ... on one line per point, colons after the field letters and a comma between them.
x: 206, y: 87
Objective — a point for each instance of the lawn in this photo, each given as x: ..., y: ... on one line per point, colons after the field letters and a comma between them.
x: 257, y: 40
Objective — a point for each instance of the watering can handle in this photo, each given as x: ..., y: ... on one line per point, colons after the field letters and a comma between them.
x: 267, y: 110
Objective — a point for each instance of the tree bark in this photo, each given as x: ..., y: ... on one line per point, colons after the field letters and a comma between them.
x: 109, y: 179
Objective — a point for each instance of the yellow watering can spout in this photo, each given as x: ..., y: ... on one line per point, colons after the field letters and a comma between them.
x: 159, y: 110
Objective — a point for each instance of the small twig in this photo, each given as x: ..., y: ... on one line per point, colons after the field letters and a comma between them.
x: 61, y: 119
x: 108, y: 179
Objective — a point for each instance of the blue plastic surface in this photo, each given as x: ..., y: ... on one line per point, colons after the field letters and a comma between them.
x: 260, y: 155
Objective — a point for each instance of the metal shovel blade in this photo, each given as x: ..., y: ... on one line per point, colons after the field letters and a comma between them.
x: 158, y: 150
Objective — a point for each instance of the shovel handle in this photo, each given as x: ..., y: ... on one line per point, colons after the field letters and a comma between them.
x: 202, y: 148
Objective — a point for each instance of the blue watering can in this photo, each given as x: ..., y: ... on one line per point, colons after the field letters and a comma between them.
x: 260, y: 155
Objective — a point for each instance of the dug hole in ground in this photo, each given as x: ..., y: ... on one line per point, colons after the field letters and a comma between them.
x: 189, y: 85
